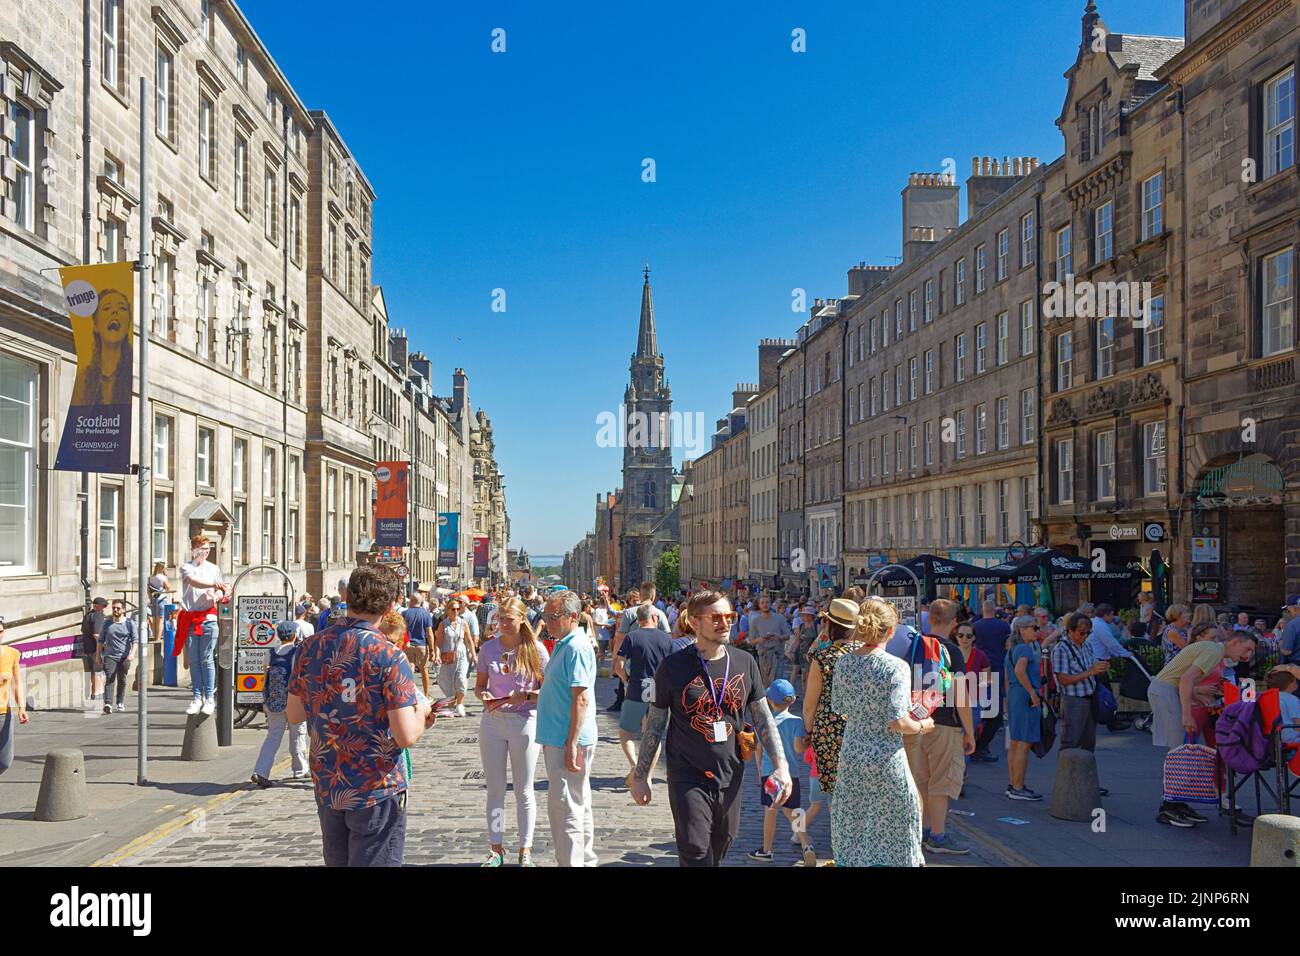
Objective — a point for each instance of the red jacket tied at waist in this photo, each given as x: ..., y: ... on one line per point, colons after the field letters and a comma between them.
x: 187, y: 624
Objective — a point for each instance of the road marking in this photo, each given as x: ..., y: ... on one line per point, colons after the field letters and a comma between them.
x: 171, y: 826
x: 991, y: 843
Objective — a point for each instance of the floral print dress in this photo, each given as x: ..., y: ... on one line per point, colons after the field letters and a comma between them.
x: 876, y: 813
x: 828, y: 726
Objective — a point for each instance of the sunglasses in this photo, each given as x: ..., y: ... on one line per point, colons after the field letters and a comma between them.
x: 724, y: 618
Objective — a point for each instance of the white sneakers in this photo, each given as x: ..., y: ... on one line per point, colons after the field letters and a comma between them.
x: 460, y: 711
x: 209, y: 705
x: 194, y: 706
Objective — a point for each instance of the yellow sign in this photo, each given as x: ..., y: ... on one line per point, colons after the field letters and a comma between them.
x: 101, y: 306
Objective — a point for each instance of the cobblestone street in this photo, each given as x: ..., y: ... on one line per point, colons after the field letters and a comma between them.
x: 446, y: 825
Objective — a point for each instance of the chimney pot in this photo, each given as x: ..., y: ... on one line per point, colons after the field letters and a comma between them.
x: 974, y: 165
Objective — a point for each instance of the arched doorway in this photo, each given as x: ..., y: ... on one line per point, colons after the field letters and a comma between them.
x: 1238, y: 534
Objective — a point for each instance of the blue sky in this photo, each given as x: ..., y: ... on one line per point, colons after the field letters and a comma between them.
x: 774, y: 170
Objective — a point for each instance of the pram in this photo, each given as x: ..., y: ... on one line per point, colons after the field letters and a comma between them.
x: 1136, y: 679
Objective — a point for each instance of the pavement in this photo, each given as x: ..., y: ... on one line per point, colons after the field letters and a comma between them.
x: 208, y: 814
x: 119, y: 810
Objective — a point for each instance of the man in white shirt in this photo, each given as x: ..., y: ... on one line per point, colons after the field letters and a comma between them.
x: 201, y: 588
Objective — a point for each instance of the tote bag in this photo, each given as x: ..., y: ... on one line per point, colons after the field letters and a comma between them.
x: 1190, y: 774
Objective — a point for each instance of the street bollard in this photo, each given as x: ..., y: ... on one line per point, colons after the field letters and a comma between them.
x: 1075, y: 791
x: 200, y: 737
x: 63, y: 786
x: 1276, y: 841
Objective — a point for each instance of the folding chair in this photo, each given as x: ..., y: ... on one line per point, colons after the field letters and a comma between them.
x: 1274, y: 776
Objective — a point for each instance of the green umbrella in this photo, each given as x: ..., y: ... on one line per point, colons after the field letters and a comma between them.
x: 1044, y: 588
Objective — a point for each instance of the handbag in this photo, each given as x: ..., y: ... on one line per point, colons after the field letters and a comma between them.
x: 1046, y: 731
x: 747, y: 742
x: 1190, y: 774
x: 1104, y: 705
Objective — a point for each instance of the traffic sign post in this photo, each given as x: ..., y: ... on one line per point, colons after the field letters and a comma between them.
x: 245, y: 645
x: 256, y: 617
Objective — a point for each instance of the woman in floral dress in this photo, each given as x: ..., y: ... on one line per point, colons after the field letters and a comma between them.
x: 828, y: 726
x: 876, y: 813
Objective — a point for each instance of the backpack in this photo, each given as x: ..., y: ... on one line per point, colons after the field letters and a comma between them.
x: 1240, y: 739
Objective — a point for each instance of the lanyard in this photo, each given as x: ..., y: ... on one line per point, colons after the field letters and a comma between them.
x: 718, y: 698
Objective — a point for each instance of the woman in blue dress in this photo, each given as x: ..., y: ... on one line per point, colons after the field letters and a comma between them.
x: 876, y: 813
x: 1024, y: 670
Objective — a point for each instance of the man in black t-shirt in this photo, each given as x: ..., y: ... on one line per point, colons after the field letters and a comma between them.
x: 705, y: 769
x: 91, y: 625
x: 643, y: 648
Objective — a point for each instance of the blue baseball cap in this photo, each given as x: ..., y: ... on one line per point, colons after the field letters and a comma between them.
x: 1292, y: 601
x: 780, y: 690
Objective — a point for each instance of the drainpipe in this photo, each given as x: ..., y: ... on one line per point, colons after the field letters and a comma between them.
x: 1041, y: 501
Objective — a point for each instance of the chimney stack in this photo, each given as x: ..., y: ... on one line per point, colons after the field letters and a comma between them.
x: 990, y: 178
x: 931, y: 209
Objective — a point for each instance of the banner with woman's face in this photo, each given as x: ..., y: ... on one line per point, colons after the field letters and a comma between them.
x: 101, y: 308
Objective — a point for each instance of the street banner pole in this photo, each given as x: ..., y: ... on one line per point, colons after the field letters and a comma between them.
x: 144, y: 510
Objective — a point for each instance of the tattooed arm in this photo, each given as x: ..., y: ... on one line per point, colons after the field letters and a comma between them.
x: 765, y: 726
x: 656, y: 724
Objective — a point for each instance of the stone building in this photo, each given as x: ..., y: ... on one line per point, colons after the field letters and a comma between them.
x: 648, y: 513
x: 1112, y: 217
x: 940, y: 380
x: 1234, y: 454
x: 761, y: 414
x: 822, y: 342
x: 275, y: 380
x: 489, y: 517
x: 792, y: 563
x: 339, y: 459
x: 228, y: 256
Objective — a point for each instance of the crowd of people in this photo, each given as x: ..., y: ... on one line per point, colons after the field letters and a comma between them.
x: 885, y: 714
x: 841, y: 704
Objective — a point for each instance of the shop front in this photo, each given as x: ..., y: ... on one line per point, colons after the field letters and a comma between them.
x: 1236, y: 549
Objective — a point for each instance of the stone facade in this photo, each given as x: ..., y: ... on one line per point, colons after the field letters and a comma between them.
x: 274, y: 381
x: 822, y: 341
x: 489, y: 498
x: 1111, y: 214
x: 940, y: 380
x: 762, y: 547
x: 1235, y: 474
x: 792, y: 557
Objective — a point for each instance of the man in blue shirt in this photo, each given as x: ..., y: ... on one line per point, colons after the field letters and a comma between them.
x: 566, y: 729
x: 991, y: 636
x: 419, y: 635
x: 1291, y: 632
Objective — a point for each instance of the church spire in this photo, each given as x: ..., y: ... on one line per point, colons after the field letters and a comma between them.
x: 647, y: 341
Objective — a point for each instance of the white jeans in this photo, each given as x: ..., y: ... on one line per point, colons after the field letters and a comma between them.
x: 506, y: 736
x: 275, y: 725
x: 568, y: 804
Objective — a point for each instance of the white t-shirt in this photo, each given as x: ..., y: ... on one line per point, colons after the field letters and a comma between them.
x: 305, y: 629
x: 600, y: 615
x: 196, y: 582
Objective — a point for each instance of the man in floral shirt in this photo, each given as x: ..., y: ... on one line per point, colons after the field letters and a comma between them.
x: 357, y: 693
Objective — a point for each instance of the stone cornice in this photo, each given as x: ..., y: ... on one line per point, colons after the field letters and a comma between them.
x: 209, y: 78
x: 1100, y: 180
x: 1180, y: 67
x: 168, y: 28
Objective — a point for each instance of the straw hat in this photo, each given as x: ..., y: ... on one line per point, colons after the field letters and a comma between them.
x: 843, y: 612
